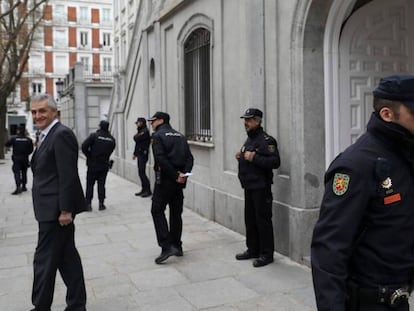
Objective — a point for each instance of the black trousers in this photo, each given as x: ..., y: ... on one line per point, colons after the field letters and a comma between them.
x: 100, y: 177
x: 56, y: 251
x: 171, y: 193
x: 258, y: 219
x: 19, y: 169
x: 142, y: 160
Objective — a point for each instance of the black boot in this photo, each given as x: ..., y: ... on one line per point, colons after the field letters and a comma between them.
x: 88, y: 207
x: 24, y: 188
x: 166, y: 253
x: 146, y: 193
x: 102, y: 206
x: 17, y: 191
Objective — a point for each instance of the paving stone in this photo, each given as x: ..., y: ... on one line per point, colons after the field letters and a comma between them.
x: 118, y: 247
x: 215, y: 292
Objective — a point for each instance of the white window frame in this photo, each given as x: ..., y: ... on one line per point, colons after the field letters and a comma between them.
x: 63, y: 42
x: 106, y: 64
x: 57, y: 57
x: 59, y: 15
x: 86, y: 61
x: 36, y: 63
x: 84, y: 35
x: 36, y: 87
x: 106, y: 39
x: 106, y: 17
x: 83, y: 14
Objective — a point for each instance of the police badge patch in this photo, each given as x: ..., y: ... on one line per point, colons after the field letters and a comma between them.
x: 340, y: 183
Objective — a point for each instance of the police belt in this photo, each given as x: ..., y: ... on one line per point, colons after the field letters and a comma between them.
x: 389, y: 295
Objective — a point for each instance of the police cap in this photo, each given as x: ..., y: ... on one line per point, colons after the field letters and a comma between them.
x: 252, y: 113
x: 398, y: 88
x: 141, y: 120
x: 104, y: 125
x: 160, y: 115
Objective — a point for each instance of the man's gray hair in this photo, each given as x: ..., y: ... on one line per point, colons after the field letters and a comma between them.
x: 42, y: 97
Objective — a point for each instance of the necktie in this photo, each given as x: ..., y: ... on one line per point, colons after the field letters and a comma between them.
x: 41, y: 138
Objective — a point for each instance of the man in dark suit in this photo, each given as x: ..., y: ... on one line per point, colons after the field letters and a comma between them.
x: 57, y: 198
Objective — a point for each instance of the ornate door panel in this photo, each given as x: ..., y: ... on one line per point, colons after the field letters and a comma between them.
x: 376, y: 41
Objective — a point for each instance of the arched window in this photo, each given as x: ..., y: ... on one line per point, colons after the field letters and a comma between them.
x: 197, y: 86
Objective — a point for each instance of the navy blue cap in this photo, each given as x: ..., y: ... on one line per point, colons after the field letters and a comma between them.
x: 252, y: 113
x: 398, y: 88
x: 143, y: 120
x: 160, y: 115
x: 104, y: 125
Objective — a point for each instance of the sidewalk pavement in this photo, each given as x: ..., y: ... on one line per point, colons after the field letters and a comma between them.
x: 118, y: 248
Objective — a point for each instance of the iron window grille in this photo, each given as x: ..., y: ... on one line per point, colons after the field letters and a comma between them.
x: 197, y: 86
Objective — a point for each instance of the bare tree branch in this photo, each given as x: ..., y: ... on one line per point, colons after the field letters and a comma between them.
x: 19, y: 22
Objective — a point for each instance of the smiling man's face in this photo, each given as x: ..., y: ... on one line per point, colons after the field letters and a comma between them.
x: 42, y: 114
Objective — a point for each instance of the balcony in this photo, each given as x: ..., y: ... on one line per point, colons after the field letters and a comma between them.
x: 90, y: 74
x: 98, y: 75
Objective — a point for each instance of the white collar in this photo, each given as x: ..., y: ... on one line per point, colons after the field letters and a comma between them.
x: 49, y: 127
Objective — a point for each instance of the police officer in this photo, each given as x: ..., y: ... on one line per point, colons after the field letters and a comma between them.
x: 22, y: 148
x: 97, y: 148
x: 142, y: 141
x: 173, y: 162
x: 257, y: 158
x: 362, y: 249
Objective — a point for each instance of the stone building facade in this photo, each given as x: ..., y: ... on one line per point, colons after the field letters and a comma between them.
x: 84, y: 100
x: 310, y: 65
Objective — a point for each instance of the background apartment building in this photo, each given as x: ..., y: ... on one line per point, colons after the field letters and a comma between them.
x: 72, y: 32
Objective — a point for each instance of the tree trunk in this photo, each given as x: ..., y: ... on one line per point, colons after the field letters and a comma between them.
x: 3, y: 129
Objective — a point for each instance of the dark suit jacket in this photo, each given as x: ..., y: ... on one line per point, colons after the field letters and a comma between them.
x: 56, y: 183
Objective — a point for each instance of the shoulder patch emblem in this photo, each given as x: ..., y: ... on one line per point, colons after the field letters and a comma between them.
x: 340, y: 183
x: 271, y: 148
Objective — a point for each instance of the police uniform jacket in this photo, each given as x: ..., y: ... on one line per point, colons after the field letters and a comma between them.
x: 142, y: 141
x: 366, y: 223
x: 97, y: 148
x: 258, y: 173
x: 22, y: 147
x: 171, y: 152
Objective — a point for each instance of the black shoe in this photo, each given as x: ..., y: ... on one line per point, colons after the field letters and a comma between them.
x: 17, y: 191
x: 24, y: 188
x: 88, y: 207
x: 262, y: 261
x: 180, y: 252
x: 102, y: 206
x: 246, y: 255
x: 139, y: 193
x: 171, y: 251
x: 146, y: 194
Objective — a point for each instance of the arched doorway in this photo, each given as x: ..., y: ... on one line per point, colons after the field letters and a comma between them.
x: 375, y: 42
x: 364, y: 41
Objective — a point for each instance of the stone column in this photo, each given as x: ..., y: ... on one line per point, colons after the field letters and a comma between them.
x: 255, y: 60
x: 80, y: 102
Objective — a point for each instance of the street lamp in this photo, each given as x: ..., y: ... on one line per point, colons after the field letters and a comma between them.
x: 59, y: 87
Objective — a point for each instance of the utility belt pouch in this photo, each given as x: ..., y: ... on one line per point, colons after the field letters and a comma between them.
x: 391, y: 296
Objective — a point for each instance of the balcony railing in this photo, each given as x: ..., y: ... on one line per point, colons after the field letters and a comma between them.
x: 98, y: 74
